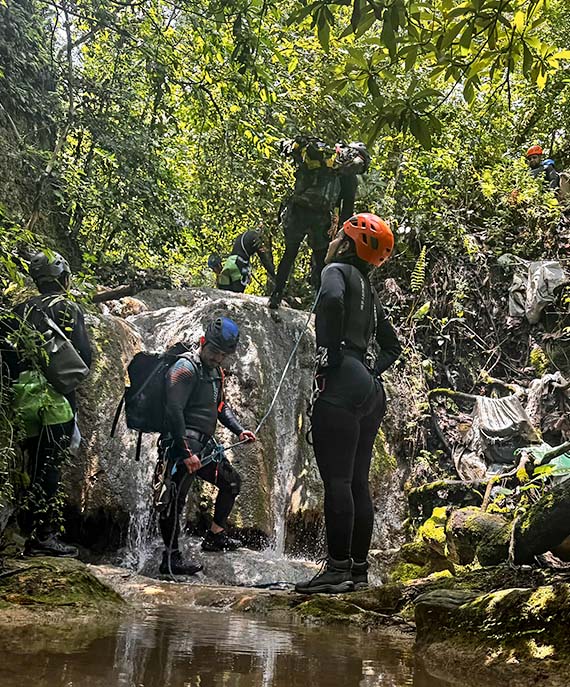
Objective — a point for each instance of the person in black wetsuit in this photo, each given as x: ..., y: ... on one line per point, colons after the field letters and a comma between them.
x: 321, y: 186
x: 355, y: 344
x: 45, y: 452
x: 235, y: 273
x: 194, y: 403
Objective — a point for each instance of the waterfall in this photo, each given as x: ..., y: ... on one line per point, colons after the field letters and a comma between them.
x: 280, y: 481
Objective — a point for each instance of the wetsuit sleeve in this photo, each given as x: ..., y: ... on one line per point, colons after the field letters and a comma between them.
x: 348, y: 186
x: 180, y: 384
x: 226, y: 414
x: 330, y: 314
x: 80, y: 339
x: 228, y: 419
x: 387, y: 340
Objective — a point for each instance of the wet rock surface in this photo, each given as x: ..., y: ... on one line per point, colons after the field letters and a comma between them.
x: 473, y: 627
x: 281, y: 497
x: 518, y: 634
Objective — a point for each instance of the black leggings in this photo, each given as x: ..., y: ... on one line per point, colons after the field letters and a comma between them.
x: 298, y: 223
x: 343, y: 444
x: 222, y: 475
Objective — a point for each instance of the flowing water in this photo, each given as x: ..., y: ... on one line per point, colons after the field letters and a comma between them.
x: 204, y: 648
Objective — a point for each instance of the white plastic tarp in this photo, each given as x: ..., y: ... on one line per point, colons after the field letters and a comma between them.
x: 534, y: 288
x: 500, y: 426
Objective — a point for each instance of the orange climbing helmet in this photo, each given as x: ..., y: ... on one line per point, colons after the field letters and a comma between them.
x: 534, y: 150
x: 372, y: 236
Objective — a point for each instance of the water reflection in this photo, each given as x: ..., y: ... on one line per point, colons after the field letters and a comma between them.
x: 198, y: 648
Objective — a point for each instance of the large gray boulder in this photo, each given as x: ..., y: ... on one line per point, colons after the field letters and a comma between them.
x: 281, y: 491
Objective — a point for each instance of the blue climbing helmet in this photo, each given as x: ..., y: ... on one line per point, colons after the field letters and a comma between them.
x: 222, y: 333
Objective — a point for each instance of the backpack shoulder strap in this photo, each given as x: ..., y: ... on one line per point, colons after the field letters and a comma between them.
x: 117, y: 415
x: 191, y: 358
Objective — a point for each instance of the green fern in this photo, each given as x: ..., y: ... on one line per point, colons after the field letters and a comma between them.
x: 419, y: 274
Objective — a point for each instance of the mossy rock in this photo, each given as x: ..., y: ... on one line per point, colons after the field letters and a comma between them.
x: 433, y: 530
x: 528, y: 625
x: 426, y: 554
x: 50, y: 582
x: 442, y: 493
x: 368, y: 608
x: 472, y: 534
x: 416, y: 552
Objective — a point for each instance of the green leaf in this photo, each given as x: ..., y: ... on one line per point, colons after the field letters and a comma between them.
x: 365, y: 24
x: 426, y: 93
x: 335, y: 86
x: 451, y: 34
x: 411, y: 57
x: 527, y: 59
x: 420, y: 131
x: 423, y: 311
x: 356, y: 13
x: 468, y: 91
x: 324, y: 32
x: 519, y: 21
x: 435, y: 124
x: 298, y: 16
x: 466, y: 36
x: 503, y: 491
x: 373, y: 87
x: 388, y: 36
x: 459, y: 11
x: 357, y: 57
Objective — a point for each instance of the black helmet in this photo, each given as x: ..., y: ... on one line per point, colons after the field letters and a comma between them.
x: 223, y: 333
x: 48, y: 269
x: 362, y: 150
x: 256, y: 242
x: 214, y: 261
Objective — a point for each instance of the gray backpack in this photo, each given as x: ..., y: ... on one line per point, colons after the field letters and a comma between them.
x: 62, y: 365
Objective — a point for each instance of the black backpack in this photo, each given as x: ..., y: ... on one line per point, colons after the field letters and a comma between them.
x: 144, y: 399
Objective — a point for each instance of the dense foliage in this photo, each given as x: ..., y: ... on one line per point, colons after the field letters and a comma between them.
x: 144, y: 134
x: 138, y: 136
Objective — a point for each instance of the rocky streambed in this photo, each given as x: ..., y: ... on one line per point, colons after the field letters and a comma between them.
x: 479, y: 627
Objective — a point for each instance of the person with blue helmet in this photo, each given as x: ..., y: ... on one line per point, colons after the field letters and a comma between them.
x: 194, y: 404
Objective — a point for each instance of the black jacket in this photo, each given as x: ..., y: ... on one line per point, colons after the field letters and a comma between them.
x: 350, y: 317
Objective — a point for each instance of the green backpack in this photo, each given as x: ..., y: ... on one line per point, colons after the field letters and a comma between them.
x: 231, y: 272
x: 38, y: 404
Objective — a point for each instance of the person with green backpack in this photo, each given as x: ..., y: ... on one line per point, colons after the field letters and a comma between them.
x: 234, y: 274
x: 51, y: 355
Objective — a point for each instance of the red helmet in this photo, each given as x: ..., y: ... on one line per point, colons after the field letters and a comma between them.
x: 372, y: 236
x: 534, y: 150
